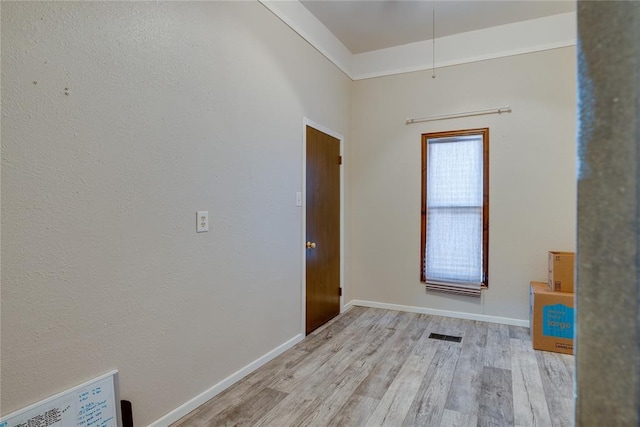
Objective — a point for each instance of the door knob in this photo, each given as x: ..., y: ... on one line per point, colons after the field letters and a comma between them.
x: 311, y: 245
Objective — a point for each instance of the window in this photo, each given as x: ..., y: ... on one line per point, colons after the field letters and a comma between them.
x: 455, y: 211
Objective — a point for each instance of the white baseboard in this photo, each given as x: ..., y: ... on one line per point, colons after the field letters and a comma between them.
x: 445, y: 313
x: 192, y: 404
x: 218, y: 388
x: 346, y: 307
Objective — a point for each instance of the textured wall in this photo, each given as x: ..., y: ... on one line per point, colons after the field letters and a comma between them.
x: 119, y: 121
x: 532, y: 176
x: 608, y: 318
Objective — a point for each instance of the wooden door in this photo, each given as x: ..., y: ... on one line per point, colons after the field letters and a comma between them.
x: 323, y: 228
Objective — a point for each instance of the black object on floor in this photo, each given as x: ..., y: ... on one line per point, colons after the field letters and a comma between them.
x: 445, y: 337
x: 127, y: 413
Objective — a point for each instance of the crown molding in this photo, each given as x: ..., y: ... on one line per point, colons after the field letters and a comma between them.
x: 535, y: 35
x: 522, y: 37
x: 303, y: 22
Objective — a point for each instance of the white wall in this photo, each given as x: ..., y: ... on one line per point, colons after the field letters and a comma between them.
x: 178, y: 107
x: 532, y: 176
x: 171, y: 108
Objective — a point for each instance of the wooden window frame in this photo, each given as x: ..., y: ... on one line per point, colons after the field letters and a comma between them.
x: 485, y: 200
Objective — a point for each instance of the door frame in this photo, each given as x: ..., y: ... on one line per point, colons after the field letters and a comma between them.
x: 303, y: 251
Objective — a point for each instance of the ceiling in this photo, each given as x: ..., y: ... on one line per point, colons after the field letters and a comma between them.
x: 366, y: 25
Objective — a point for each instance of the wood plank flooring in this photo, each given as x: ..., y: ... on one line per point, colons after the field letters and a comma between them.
x: 374, y: 367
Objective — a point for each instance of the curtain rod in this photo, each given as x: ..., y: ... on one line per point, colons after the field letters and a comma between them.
x: 500, y: 110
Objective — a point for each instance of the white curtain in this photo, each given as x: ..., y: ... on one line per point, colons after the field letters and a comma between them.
x: 454, y: 210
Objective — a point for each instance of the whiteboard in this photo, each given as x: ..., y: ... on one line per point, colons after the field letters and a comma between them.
x: 92, y: 404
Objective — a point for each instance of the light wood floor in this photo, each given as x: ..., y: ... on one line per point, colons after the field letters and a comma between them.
x: 373, y: 367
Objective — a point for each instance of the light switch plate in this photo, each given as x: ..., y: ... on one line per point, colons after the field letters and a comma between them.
x: 202, y: 221
x: 299, y: 198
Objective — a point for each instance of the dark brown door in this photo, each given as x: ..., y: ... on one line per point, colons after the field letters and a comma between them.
x: 323, y: 228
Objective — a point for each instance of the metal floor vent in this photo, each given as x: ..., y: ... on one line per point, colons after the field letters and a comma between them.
x: 445, y: 337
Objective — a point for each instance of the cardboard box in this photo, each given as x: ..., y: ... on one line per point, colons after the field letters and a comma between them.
x: 561, y: 267
x: 551, y: 315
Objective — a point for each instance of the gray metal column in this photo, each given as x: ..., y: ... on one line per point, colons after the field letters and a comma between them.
x: 608, y: 296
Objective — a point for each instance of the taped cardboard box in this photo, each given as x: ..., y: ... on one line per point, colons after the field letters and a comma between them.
x: 561, y: 267
x: 551, y: 316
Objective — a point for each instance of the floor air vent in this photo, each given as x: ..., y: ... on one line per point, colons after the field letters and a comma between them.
x: 445, y: 337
